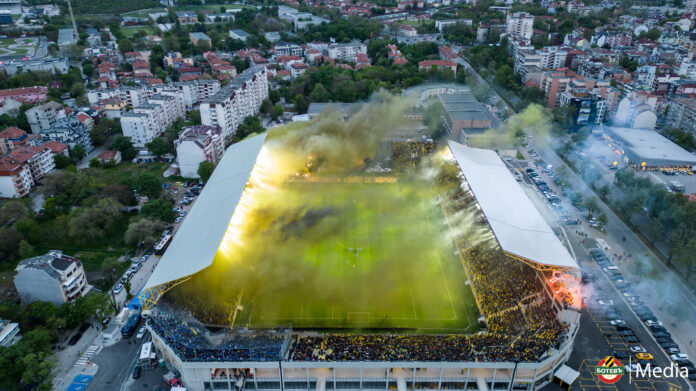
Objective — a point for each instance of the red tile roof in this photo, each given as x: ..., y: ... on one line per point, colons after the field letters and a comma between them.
x: 12, y: 132
x: 56, y: 147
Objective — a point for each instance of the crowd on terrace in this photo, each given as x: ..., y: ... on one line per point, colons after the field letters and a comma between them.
x: 190, y: 342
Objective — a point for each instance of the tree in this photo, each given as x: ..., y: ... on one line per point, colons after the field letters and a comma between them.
x: 344, y: 91
x: 603, y: 191
x: 250, y: 125
x: 62, y: 161
x: 88, y: 69
x: 147, y: 185
x: 300, y: 104
x: 145, y: 232
x: 12, y: 211
x: 266, y: 106
x: 276, y: 112
x: 76, y: 90
x: 592, y: 206
x: 30, y: 229
x: 26, y: 250
x: 159, y: 208
x: 319, y: 94
x: 205, y: 170
x: 94, y: 222
x: 159, y: 147
x: 124, y: 145
x: 9, y: 244
x: 195, y: 117
x: 77, y: 152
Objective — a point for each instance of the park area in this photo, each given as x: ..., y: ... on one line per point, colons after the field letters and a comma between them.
x: 17, y: 46
x: 343, y: 255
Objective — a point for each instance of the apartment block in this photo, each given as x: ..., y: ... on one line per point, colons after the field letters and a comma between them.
x: 147, y: 121
x: 242, y: 97
x: 682, y: 115
x: 196, y: 144
x: 69, y: 131
x: 346, y: 51
x: 53, y: 277
x: 42, y: 117
x: 520, y: 25
x: 15, y: 179
x: 39, y: 159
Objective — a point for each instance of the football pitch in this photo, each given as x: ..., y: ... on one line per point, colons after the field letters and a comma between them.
x: 363, y: 255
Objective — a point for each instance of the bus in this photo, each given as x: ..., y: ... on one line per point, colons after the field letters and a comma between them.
x: 131, y: 324
x: 162, y: 245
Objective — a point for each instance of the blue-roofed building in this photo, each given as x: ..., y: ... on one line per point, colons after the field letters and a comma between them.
x: 66, y: 37
x: 239, y: 34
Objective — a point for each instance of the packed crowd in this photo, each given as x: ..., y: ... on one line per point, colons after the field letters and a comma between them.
x: 210, y: 312
x: 190, y: 343
x: 521, y: 324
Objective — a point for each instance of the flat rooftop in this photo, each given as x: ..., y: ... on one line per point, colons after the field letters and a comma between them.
x: 651, y: 147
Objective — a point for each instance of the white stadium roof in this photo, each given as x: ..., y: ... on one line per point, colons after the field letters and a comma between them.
x: 196, y: 242
x: 516, y: 223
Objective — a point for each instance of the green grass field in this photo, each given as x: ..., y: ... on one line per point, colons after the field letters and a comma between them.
x: 130, y: 32
x: 378, y: 260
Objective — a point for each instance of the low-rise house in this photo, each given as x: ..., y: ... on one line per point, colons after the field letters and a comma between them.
x: 187, y: 17
x: 428, y: 64
x: 196, y: 38
x: 239, y: 34
x: 109, y: 156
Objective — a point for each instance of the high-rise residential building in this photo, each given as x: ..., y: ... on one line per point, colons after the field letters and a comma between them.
x: 153, y: 116
x: 690, y: 6
x: 682, y: 115
x: 520, y: 25
x: 241, y: 98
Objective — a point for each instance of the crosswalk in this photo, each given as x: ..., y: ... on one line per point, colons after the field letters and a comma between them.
x: 91, y: 351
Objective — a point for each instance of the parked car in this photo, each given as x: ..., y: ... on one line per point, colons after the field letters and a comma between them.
x: 136, y: 372
x: 141, y: 333
x: 679, y: 356
x: 118, y: 288
x: 621, y: 354
x: 73, y: 340
x: 637, y: 349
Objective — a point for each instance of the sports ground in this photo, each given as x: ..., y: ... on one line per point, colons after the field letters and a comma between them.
x: 361, y: 255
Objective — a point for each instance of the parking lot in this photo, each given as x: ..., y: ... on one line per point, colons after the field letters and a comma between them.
x: 615, y: 318
x: 142, y: 267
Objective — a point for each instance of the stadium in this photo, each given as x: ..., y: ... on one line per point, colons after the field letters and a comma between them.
x: 335, y: 254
